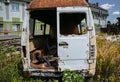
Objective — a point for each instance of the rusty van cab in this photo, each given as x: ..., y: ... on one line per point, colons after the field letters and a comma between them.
x: 58, y: 35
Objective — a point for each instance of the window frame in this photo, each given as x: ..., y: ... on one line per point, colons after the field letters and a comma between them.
x: 1, y: 5
x: 17, y: 27
x: 1, y: 25
x: 15, y: 7
x: 42, y: 26
x: 80, y: 29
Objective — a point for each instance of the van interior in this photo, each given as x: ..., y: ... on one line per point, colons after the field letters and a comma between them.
x: 43, y: 35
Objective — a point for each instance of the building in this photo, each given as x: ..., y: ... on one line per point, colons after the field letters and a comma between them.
x: 99, y: 15
x: 12, y: 14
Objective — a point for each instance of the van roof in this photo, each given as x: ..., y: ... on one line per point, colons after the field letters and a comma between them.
x: 46, y: 4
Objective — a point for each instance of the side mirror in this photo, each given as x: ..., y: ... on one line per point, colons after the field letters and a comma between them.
x: 90, y: 28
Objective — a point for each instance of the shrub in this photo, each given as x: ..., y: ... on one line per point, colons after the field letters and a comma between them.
x: 70, y: 76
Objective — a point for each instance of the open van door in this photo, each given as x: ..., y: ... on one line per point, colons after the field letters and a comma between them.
x: 73, y: 40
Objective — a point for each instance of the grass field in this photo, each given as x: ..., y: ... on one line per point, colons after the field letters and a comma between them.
x: 107, y: 66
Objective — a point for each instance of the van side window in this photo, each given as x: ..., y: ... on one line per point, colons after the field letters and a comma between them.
x: 41, y: 28
x: 73, y: 23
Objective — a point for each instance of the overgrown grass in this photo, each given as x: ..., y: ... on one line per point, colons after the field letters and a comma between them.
x: 11, y: 68
x: 107, y: 65
x: 108, y: 61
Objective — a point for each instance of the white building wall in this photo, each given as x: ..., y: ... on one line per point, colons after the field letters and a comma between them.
x: 7, y: 13
x: 2, y: 11
x: 103, y: 22
x: 96, y: 21
x: 12, y: 14
x: 16, y: 14
x: 99, y: 15
x: 100, y: 20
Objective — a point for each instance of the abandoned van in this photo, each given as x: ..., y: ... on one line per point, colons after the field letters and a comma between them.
x: 58, y: 35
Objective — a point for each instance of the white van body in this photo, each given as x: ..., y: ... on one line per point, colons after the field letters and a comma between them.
x: 73, y: 50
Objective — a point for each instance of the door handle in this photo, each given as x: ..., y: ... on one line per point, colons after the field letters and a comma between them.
x: 63, y: 43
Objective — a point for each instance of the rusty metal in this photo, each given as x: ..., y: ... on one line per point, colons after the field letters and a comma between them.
x: 39, y: 4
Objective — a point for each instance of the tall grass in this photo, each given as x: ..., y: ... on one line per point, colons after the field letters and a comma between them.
x: 108, y: 61
x: 10, y: 65
x: 107, y: 65
x: 11, y: 68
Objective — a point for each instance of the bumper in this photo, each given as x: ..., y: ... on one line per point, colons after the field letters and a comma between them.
x: 42, y: 73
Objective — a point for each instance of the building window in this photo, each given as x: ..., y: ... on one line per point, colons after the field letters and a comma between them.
x: 15, y: 6
x: 16, y: 27
x: 0, y: 5
x: 1, y: 28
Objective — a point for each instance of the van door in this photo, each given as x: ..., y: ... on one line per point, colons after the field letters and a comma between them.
x: 73, y: 41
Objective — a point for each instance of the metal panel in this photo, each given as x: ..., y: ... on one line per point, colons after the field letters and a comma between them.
x: 77, y: 48
x: 74, y: 64
x: 73, y: 50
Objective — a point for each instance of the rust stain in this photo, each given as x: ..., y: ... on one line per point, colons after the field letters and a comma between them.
x: 39, y: 4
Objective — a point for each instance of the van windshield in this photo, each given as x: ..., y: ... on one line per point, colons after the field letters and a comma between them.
x: 73, y: 23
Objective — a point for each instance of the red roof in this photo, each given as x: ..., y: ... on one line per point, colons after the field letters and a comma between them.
x: 39, y: 4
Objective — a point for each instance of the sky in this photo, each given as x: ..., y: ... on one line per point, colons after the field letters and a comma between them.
x: 113, y: 7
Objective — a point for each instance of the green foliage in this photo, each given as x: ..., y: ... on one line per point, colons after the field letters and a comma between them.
x: 10, y: 65
x: 69, y: 76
